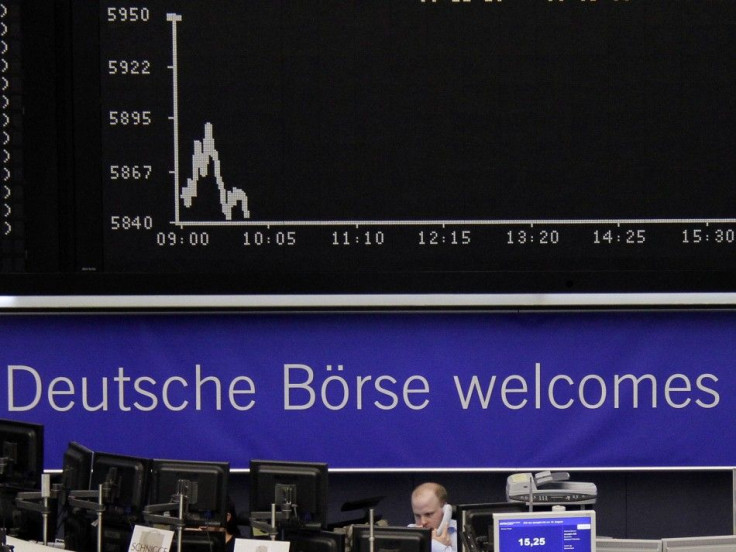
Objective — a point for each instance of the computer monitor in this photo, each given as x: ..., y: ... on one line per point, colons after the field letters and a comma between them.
x: 77, y: 467
x: 306, y: 540
x: 207, y: 498
x: 603, y: 544
x: 475, y: 523
x: 126, y: 478
x: 200, y: 541
x: 115, y: 538
x: 21, y: 455
x: 76, y: 475
x: 391, y: 539
x: 718, y: 543
x: 553, y: 531
x: 301, y: 486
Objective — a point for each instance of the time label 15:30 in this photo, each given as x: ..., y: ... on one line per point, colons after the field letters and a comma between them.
x: 708, y: 235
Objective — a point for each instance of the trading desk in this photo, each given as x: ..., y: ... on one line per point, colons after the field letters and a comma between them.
x: 28, y: 546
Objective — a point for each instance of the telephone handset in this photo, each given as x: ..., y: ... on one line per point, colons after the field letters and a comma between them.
x: 446, y: 516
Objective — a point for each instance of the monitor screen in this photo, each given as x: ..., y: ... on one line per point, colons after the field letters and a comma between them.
x: 603, y: 544
x: 21, y: 456
x: 720, y: 543
x: 298, y: 489
x: 207, y: 499
x: 77, y: 470
x: 392, y: 539
x: 200, y: 541
x: 305, y: 540
x: 568, y: 531
x: 464, y: 148
x: 79, y: 534
x: 126, y: 479
x: 475, y: 523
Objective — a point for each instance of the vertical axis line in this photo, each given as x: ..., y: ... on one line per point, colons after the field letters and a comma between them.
x: 174, y: 18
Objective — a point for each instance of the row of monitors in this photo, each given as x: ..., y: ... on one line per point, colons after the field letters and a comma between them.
x: 546, y: 532
x: 140, y: 481
x: 137, y: 482
x: 131, y: 483
x: 384, y: 539
x: 567, y: 531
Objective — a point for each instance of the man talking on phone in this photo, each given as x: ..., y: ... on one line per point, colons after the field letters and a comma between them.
x: 431, y: 510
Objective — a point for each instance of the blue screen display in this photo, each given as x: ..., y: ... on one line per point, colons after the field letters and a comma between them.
x: 545, y: 532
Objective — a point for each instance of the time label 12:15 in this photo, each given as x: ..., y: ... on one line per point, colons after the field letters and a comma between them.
x: 442, y: 237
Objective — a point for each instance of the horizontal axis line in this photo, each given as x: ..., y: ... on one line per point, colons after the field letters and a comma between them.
x: 434, y: 222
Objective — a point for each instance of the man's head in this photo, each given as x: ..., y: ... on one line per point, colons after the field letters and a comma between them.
x: 427, y: 501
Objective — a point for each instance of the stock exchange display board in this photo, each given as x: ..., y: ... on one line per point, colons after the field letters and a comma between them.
x: 402, y: 146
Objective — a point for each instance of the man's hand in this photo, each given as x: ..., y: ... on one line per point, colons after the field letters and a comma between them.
x: 444, y: 538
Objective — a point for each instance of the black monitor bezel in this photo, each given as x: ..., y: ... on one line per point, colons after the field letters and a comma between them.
x: 421, y: 537
x: 161, y: 491
x: 262, y: 484
x: 307, y: 540
x: 27, y: 473
x: 201, y: 541
x: 485, y: 509
x: 501, y: 518
x: 124, y: 510
x: 76, y: 474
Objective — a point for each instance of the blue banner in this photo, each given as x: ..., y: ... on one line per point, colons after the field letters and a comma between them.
x: 380, y: 390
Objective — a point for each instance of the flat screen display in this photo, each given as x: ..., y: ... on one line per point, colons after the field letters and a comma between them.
x: 568, y: 531
x: 392, y: 146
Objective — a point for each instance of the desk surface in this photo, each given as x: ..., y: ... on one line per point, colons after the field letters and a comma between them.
x: 26, y: 546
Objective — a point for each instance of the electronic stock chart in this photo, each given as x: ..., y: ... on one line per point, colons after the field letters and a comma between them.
x: 418, y: 135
